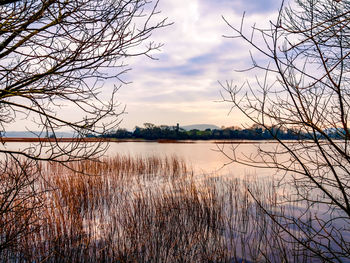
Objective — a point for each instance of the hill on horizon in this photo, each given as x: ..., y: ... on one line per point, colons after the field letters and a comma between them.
x: 200, y: 127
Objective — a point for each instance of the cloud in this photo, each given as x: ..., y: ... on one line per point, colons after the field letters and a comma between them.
x: 182, y: 85
x: 248, y: 6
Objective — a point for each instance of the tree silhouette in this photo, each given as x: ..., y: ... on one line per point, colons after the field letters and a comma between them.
x: 57, y: 54
x: 304, y: 89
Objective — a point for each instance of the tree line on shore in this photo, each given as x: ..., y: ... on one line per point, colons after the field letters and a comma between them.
x: 255, y: 132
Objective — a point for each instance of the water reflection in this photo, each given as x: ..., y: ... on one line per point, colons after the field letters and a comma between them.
x: 205, y: 157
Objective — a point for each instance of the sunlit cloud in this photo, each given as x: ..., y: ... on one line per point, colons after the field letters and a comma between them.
x: 182, y: 85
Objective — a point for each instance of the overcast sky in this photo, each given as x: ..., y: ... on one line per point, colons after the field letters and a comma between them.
x: 182, y: 85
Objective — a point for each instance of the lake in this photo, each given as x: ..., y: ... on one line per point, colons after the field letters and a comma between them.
x: 210, y: 160
x: 204, y: 157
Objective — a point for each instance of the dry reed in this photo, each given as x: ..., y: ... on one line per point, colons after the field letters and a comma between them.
x: 135, y: 209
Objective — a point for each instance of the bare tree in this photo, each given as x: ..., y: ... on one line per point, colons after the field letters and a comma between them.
x: 60, y: 53
x: 57, y: 54
x: 304, y: 58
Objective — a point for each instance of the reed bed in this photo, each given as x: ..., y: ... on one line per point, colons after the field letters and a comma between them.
x: 138, y: 209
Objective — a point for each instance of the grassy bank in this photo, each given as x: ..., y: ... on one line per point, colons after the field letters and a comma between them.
x: 153, y: 209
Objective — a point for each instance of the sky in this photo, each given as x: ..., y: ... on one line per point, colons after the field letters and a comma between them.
x: 182, y: 85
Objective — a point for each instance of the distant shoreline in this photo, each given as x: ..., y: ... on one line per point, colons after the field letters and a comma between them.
x: 36, y: 139
x: 68, y: 140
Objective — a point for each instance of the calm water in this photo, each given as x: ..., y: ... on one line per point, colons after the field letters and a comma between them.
x: 208, y: 158
x: 204, y: 157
